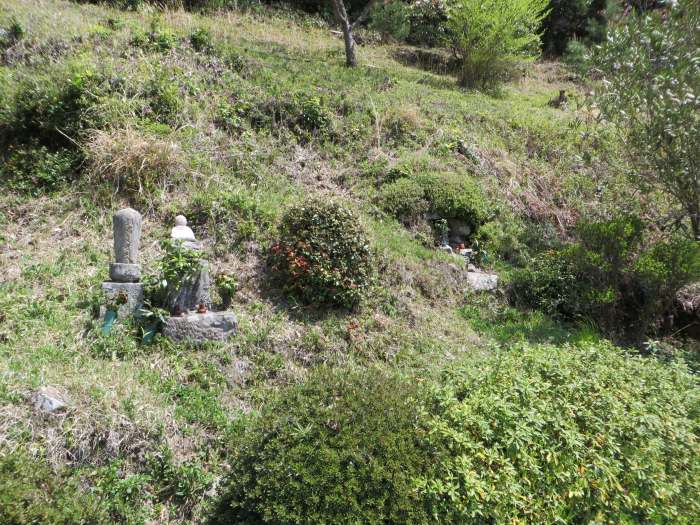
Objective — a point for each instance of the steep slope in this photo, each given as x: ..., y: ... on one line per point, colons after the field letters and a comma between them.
x: 228, y: 119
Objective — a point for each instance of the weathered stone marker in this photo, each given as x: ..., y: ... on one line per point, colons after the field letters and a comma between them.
x: 196, y: 289
x: 127, y: 236
x: 195, y: 294
x: 124, y: 290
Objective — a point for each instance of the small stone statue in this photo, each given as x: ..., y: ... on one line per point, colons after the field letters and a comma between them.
x: 182, y: 232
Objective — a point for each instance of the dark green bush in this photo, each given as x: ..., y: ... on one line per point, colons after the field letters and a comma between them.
x: 323, y: 255
x: 574, y: 19
x: 565, y: 435
x: 442, y: 195
x: 201, y: 40
x: 31, y: 493
x: 391, y: 19
x: 577, y: 57
x: 612, y: 276
x: 342, y: 448
x: 428, y: 22
x: 35, y: 170
x: 491, y: 37
x: 455, y: 196
x: 55, y: 112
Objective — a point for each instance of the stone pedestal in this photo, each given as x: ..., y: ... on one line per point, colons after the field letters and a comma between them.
x: 124, y: 272
x: 198, y: 328
x: 129, y: 295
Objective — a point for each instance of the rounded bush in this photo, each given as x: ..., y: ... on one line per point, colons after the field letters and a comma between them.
x: 443, y: 195
x: 455, y: 196
x: 340, y: 448
x: 404, y: 199
x: 323, y: 255
x: 565, y: 435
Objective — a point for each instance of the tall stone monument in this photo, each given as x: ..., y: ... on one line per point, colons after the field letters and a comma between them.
x: 123, y: 291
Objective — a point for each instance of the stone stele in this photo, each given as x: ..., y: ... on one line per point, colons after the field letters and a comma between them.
x: 192, y: 291
x: 127, y: 236
x: 197, y: 328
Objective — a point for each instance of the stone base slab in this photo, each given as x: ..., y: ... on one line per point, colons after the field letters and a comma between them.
x: 194, y: 327
x: 124, y: 272
x: 481, y: 281
x: 131, y: 297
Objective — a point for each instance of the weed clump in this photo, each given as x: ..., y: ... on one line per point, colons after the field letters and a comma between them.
x: 30, y: 492
x: 306, y: 116
x: 323, y: 255
x: 201, y: 41
x: 135, y: 164
x: 34, y: 171
x: 42, y: 126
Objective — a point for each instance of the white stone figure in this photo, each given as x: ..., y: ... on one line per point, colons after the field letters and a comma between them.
x: 182, y: 232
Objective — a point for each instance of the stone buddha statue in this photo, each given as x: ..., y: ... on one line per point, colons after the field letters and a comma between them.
x: 182, y: 232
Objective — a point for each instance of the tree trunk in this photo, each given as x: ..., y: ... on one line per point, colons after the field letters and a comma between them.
x: 695, y: 224
x: 342, y: 15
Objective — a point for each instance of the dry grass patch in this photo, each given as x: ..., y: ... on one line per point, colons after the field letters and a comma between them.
x: 135, y: 164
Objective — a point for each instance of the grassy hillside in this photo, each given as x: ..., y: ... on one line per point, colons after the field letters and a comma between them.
x: 229, y: 119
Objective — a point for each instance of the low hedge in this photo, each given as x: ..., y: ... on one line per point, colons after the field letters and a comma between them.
x: 534, y: 434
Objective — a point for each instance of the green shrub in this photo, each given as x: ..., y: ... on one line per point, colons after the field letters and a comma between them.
x: 56, y: 112
x: 323, y: 255
x: 201, y: 40
x: 391, y: 19
x: 30, y: 493
x: 491, y: 36
x: 36, y: 170
x: 455, y: 196
x: 446, y: 196
x: 577, y: 57
x: 565, y: 435
x: 650, y: 90
x: 612, y: 275
x: 428, y: 22
x: 340, y: 448
x: 404, y: 199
